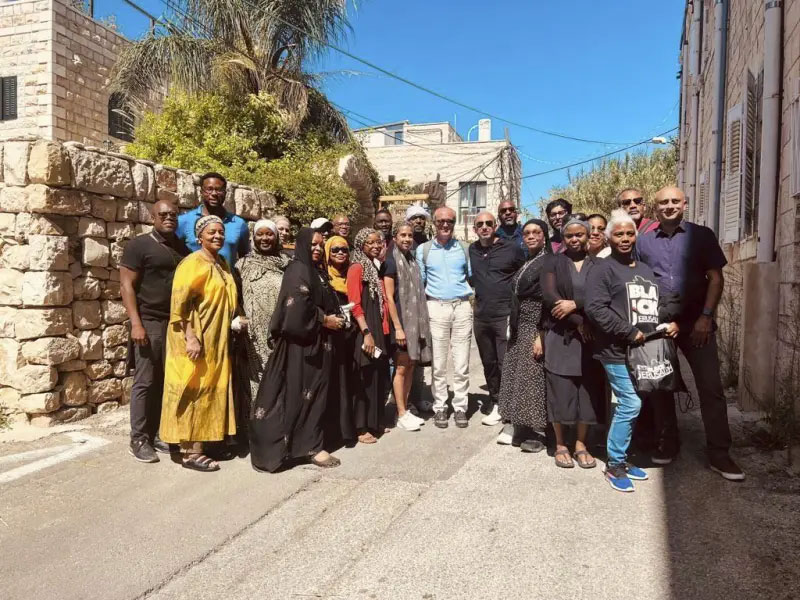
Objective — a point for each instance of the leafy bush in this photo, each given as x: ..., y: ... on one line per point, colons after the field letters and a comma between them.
x: 249, y: 143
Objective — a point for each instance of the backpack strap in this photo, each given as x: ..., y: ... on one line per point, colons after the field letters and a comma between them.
x: 426, y: 250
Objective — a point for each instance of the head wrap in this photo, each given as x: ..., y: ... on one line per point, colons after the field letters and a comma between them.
x: 574, y: 220
x: 370, y: 271
x: 319, y: 223
x: 545, y: 229
x: 265, y: 223
x: 204, y: 222
x: 338, y: 275
x: 416, y: 211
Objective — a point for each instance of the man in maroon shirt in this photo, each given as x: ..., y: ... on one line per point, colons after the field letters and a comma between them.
x: 632, y: 200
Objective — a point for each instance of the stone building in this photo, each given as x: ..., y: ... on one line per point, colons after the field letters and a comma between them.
x: 472, y: 175
x: 740, y: 167
x: 55, y: 64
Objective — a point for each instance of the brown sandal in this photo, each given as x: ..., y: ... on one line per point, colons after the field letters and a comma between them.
x: 588, y: 464
x: 200, y: 462
x: 568, y: 464
x: 367, y: 438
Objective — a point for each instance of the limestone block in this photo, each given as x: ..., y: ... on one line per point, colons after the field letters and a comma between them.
x: 71, y: 365
x: 104, y: 208
x: 1, y: 162
x: 46, y: 288
x: 166, y: 178
x: 101, y: 174
x: 127, y: 210
x: 114, y: 312
x: 86, y: 314
x: 10, y: 287
x: 15, y: 162
x: 13, y: 199
x: 75, y: 267
x: 45, y: 402
x: 49, y: 252
x: 112, y: 291
x: 95, y: 252
x: 91, y: 344
x: 43, y: 199
x: 116, y: 251
x: 9, y: 399
x: 48, y: 163
x: 104, y: 390
x: 247, y: 204
x: 121, y: 368
x: 51, y: 350
x: 117, y: 353
x: 38, y: 322
x: 89, y: 227
x: 32, y: 379
x: 115, y: 335
x: 127, y: 387
x: 120, y: 231
x: 144, y: 182
x: 145, y: 212
x: 36, y: 224
x: 68, y: 414
x: 141, y: 229
x: 86, y: 288
x: 11, y: 360
x: 113, y: 275
x: 15, y: 256
x: 97, y: 273
x: 99, y: 369
x: 74, y: 388
x: 162, y: 194
x: 230, y: 199
x: 268, y: 203
x: 8, y: 316
x: 187, y: 193
x: 8, y: 224
x: 107, y: 407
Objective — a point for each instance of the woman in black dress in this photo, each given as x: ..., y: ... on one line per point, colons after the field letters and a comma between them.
x: 573, y: 388
x: 286, y: 417
x: 522, y: 385
x: 366, y: 291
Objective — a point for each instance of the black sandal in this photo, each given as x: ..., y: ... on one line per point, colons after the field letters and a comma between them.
x: 200, y: 462
x: 586, y: 465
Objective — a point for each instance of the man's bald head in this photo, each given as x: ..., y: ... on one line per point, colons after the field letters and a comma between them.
x: 444, y: 219
x: 165, y: 217
x: 485, y: 227
x: 670, y: 204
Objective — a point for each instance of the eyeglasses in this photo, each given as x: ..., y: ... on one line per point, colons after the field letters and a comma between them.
x: 507, y: 210
x: 214, y: 191
x: 443, y: 222
x: 340, y: 250
x: 561, y: 213
x: 168, y: 215
x: 479, y: 224
x: 636, y: 201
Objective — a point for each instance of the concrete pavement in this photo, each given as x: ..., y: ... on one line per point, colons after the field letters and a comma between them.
x: 436, y: 514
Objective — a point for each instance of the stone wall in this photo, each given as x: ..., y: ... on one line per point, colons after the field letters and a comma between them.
x: 66, y: 213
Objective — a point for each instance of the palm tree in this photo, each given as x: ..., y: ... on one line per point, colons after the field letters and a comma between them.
x: 240, y: 47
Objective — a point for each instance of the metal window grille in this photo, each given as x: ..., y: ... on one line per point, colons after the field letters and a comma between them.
x: 8, y: 98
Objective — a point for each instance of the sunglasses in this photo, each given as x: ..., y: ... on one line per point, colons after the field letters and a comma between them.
x: 340, y: 250
x: 507, y: 210
x: 443, y: 222
x: 636, y: 201
x: 168, y: 215
x: 479, y: 224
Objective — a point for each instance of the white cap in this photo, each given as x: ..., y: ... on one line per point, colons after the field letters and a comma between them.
x: 319, y: 222
x: 416, y: 211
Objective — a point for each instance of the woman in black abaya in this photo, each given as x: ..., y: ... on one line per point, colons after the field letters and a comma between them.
x: 286, y: 416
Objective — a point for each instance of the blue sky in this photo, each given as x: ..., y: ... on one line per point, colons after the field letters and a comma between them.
x: 602, y: 70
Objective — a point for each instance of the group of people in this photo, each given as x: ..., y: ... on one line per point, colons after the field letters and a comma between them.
x: 292, y: 344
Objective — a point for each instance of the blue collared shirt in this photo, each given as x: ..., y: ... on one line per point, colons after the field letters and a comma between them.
x: 680, y: 262
x: 237, y: 235
x: 447, y: 271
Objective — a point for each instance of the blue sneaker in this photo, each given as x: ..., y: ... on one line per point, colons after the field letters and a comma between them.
x: 635, y: 472
x: 617, y: 477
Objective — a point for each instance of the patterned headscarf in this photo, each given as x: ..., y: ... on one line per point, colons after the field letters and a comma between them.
x: 338, y: 281
x: 368, y: 266
x: 204, y: 222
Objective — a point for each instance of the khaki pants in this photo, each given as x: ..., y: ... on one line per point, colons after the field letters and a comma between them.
x: 451, y: 333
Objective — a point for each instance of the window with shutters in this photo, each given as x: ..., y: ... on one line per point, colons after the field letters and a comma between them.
x: 472, y: 199
x: 751, y: 153
x: 8, y: 98
x: 733, y: 175
x: 120, y: 122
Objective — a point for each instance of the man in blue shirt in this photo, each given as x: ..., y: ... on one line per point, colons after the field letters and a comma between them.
x: 445, y: 268
x: 213, y: 188
x: 687, y: 262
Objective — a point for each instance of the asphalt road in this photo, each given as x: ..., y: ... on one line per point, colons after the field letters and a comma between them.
x: 436, y: 514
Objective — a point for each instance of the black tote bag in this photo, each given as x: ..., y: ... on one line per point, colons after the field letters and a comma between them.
x: 654, y: 365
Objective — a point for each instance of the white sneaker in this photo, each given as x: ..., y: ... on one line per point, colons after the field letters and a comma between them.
x: 507, y: 435
x: 416, y: 418
x: 493, y: 418
x: 408, y: 422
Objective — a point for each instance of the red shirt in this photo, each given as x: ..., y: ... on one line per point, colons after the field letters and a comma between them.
x: 355, y: 285
x: 646, y: 225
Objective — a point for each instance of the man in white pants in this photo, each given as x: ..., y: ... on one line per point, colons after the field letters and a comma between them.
x: 445, y: 267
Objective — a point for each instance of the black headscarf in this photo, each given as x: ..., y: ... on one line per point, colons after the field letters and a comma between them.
x: 302, y: 254
x: 526, y: 282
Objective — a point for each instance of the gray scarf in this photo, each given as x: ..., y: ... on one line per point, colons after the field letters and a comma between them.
x: 413, y: 307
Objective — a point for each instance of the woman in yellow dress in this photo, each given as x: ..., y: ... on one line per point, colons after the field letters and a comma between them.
x: 198, y: 396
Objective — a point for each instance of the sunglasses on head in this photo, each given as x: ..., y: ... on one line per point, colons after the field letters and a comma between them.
x: 340, y: 250
x: 636, y: 201
x: 443, y: 222
x: 480, y: 224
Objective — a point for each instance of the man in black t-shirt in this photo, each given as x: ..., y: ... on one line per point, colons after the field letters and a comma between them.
x: 146, y: 271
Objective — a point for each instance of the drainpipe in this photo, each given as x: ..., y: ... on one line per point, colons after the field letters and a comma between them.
x: 771, y: 130
x: 718, y: 110
x: 695, y: 39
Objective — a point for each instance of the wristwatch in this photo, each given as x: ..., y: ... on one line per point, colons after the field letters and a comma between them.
x: 707, y: 312
x: 365, y: 332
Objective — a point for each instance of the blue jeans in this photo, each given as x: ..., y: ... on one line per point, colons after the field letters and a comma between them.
x: 628, y: 406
